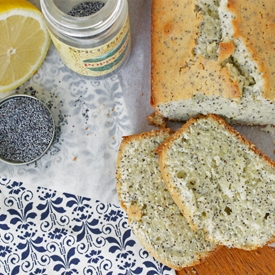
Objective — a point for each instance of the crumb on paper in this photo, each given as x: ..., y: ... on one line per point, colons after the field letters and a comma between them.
x: 75, y: 158
x: 268, y: 129
x: 156, y: 120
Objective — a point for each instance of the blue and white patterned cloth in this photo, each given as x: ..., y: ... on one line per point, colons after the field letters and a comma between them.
x: 46, y: 232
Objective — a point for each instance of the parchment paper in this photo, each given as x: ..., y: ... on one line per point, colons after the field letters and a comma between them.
x: 92, y: 116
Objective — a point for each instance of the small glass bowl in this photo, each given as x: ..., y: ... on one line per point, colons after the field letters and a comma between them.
x: 27, y: 129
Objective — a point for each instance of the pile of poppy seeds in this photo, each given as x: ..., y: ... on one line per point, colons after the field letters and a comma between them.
x: 86, y: 9
x: 26, y: 129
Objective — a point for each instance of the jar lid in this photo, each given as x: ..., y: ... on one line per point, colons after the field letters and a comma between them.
x: 56, y: 13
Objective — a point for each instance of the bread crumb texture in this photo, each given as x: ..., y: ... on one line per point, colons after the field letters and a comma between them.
x: 156, y: 120
x: 214, y: 56
x: 222, y: 182
x: 153, y: 216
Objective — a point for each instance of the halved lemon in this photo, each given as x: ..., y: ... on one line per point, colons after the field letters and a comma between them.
x: 24, y: 42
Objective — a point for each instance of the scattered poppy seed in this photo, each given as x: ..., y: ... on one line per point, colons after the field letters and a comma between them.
x: 26, y: 129
x: 86, y: 9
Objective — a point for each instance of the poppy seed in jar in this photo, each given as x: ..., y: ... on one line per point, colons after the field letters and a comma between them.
x: 26, y: 129
x: 86, y: 9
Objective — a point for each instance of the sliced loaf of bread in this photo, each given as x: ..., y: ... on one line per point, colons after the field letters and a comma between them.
x: 222, y: 183
x: 214, y: 56
x: 153, y: 216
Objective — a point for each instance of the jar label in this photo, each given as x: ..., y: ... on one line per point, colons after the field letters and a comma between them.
x: 98, y: 61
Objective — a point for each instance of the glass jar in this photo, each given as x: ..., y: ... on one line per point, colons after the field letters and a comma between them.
x: 97, y: 45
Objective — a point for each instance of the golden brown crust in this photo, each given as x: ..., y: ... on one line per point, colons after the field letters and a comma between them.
x: 254, y: 23
x: 175, y: 75
x: 134, y: 212
x: 157, y: 120
x: 167, y: 37
x: 226, y: 49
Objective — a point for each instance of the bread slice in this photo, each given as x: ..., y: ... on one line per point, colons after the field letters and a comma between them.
x: 153, y: 216
x: 214, y: 56
x: 222, y: 183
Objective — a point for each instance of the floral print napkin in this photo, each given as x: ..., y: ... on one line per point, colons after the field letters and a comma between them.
x: 46, y: 232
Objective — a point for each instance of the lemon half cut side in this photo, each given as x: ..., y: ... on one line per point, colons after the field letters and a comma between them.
x: 24, y: 42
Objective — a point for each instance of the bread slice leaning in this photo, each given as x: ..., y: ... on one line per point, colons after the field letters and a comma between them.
x: 222, y: 183
x: 153, y: 216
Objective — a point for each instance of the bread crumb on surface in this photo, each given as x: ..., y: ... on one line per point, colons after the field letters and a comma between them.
x: 156, y: 120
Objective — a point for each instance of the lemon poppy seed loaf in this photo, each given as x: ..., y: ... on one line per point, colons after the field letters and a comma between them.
x: 222, y: 183
x: 214, y: 56
x: 153, y: 216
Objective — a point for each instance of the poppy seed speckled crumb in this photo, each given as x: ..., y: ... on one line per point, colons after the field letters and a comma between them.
x: 153, y: 216
x: 223, y: 183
